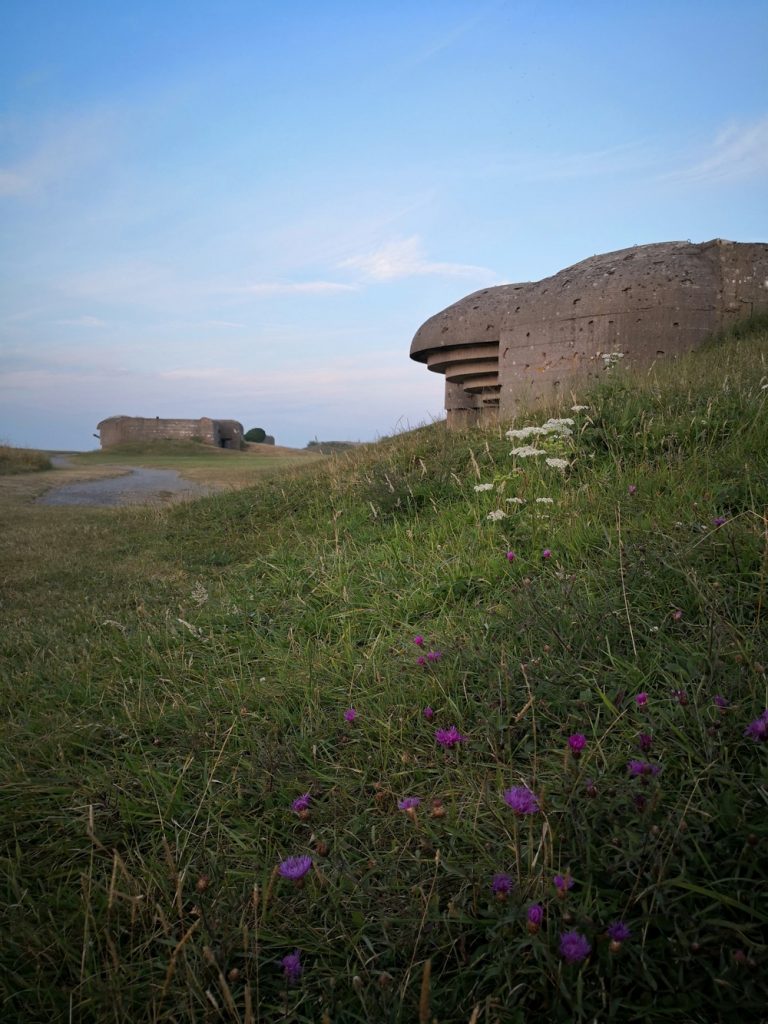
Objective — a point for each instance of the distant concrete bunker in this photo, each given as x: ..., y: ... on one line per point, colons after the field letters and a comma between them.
x: 514, y: 345
x: 122, y: 429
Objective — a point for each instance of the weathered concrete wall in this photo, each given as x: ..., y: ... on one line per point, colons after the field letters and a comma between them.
x: 522, y: 343
x: 121, y: 429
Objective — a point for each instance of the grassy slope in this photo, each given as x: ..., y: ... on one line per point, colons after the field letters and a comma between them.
x: 22, y: 460
x: 175, y: 678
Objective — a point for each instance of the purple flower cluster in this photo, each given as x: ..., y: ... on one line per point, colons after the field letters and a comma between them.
x: 301, y: 803
x: 618, y: 931
x: 642, y: 769
x: 292, y: 967
x: 501, y: 885
x: 522, y: 800
x: 449, y: 737
x: 577, y: 742
x: 563, y: 883
x: 758, y: 730
x: 350, y: 715
x: 295, y: 868
x: 574, y: 947
x: 409, y: 803
x: 535, y: 916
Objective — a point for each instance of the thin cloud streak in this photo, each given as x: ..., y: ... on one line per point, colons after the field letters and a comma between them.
x: 406, y: 258
x: 294, y: 288
x: 738, y: 152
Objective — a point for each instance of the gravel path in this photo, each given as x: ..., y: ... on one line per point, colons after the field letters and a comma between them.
x: 137, y: 486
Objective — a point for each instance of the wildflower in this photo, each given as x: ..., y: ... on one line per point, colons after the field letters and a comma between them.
x: 419, y: 641
x: 677, y: 615
x: 428, y: 713
x: 563, y: 883
x: 579, y: 408
x: 527, y: 451
x: 483, y: 487
x: 515, y: 501
x: 590, y: 789
x: 719, y: 520
x: 641, y: 699
x: 409, y: 803
x: 577, y: 742
x: 618, y: 931
x: 523, y: 433
x: 632, y: 489
x: 292, y: 967
x: 644, y: 741
x: 350, y: 715
x: 501, y: 886
x: 642, y: 769
x: 301, y: 804
x: 295, y: 868
x: 434, y: 655
x: 562, y: 464
x: 535, y: 916
x: 448, y: 738
x: 545, y: 501
x: 522, y: 800
x: 497, y: 515
x: 758, y: 730
x: 421, y: 660
x: 511, y: 556
x: 720, y: 701
x: 574, y: 947
x: 681, y: 697
x: 546, y: 553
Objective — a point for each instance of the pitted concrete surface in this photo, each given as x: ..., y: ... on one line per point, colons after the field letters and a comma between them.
x: 136, y: 487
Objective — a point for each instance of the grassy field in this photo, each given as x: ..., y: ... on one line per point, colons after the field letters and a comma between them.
x: 22, y: 460
x: 506, y: 715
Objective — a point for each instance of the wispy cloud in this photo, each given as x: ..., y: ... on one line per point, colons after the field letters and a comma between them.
x: 406, y: 258
x: 294, y: 288
x: 83, y: 321
x: 739, y: 151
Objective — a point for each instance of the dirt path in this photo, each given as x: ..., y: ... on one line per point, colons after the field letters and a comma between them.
x: 135, y: 486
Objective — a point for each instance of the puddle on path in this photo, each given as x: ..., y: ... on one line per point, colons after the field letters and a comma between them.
x: 136, y: 487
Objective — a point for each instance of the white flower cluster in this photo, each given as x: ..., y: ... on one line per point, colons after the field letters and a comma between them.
x: 561, y: 428
x: 611, y: 358
x: 496, y: 515
x: 526, y: 451
x: 561, y: 464
x: 515, y: 501
x: 544, y: 501
x: 483, y: 487
x: 579, y: 408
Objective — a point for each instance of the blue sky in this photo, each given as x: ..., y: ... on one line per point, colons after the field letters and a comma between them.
x: 246, y: 209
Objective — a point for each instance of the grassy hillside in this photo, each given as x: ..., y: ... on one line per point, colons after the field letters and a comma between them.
x: 508, y: 713
x: 22, y: 460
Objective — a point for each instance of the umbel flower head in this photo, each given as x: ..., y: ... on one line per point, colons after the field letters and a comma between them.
x: 522, y: 800
x: 295, y: 868
x: 574, y: 947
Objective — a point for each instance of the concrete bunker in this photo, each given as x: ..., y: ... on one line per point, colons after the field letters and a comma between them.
x: 123, y: 429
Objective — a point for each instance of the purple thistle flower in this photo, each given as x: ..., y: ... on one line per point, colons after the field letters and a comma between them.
x: 719, y: 520
x: 301, y: 803
x: 574, y: 947
x: 419, y: 641
x: 641, y: 699
x: 546, y: 553
x: 501, y: 885
x: 295, y: 867
x: 720, y: 701
x: 434, y: 655
x: 618, y: 931
x: 449, y: 737
x: 758, y: 730
x: 421, y: 660
x: 632, y: 489
x: 577, y: 742
x: 292, y: 967
x: 563, y: 883
x: 511, y: 556
x: 642, y: 768
x: 522, y: 800
x: 535, y: 914
x: 428, y: 713
x: 409, y: 803
x: 350, y: 715
x: 644, y: 741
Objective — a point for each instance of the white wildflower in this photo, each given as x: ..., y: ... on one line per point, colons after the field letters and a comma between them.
x: 544, y: 501
x: 523, y: 433
x: 611, y: 358
x: 496, y: 515
x: 199, y: 594
x: 763, y: 387
x: 483, y: 487
x: 526, y: 451
x: 558, y: 463
x: 553, y: 424
x: 579, y: 408
x: 515, y: 501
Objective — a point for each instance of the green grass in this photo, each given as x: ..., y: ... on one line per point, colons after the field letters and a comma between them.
x: 22, y: 460
x: 173, y: 679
